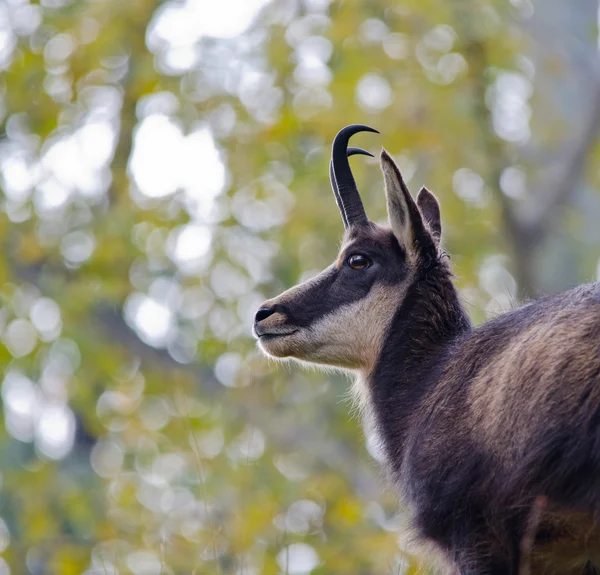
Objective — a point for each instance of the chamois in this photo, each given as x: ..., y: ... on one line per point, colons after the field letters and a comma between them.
x: 481, y: 428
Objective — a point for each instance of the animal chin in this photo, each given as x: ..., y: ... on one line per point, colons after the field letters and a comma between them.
x: 277, y: 344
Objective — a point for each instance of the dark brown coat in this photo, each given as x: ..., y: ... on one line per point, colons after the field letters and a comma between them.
x: 490, y: 434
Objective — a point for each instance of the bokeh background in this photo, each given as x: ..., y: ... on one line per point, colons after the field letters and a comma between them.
x: 163, y: 169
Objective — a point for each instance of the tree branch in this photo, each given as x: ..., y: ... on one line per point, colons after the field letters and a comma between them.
x: 114, y: 328
x: 555, y: 194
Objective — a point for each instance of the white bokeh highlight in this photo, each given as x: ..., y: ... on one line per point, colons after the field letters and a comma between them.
x: 30, y: 415
x: 165, y: 160
x: 298, y: 559
x: 152, y: 320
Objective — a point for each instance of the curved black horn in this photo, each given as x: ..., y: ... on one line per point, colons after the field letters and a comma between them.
x: 351, y: 152
x: 358, y: 152
x: 348, y: 197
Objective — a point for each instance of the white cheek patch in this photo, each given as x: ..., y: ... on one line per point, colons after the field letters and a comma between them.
x: 352, y: 336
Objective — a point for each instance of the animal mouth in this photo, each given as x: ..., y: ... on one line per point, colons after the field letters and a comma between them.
x: 275, y: 335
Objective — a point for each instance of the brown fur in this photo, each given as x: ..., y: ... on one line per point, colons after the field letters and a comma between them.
x: 573, y: 542
x: 508, y: 392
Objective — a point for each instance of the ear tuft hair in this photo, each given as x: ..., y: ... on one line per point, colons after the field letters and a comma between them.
x: 430, y: 209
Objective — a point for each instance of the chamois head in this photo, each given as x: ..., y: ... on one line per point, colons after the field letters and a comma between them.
x: 340, y: 317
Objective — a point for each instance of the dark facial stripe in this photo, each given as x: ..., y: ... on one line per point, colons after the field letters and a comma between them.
x: 323, y: 295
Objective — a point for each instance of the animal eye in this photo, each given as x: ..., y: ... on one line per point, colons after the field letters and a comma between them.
x: 359, y: 262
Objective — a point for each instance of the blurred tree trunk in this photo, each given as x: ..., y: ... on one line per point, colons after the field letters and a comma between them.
x: 564, y: 51
x: 544, y: 239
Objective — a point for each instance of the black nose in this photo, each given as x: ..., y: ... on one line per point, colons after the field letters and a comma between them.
x: 264, y: 313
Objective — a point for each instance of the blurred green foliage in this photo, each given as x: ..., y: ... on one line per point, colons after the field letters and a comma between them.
x: 142, y: 431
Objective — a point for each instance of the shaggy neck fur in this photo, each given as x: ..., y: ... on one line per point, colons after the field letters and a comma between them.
x: 423, y: 330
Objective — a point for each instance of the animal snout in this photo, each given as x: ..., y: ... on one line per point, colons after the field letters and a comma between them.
x: 271, y: 320
x: 264, y: 313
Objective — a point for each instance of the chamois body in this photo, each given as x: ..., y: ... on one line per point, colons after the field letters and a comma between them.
x: 491, y: 435
x: 475, y: 423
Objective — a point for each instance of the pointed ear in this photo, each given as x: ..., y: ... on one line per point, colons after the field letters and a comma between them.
x: 430, y: 209
x: 403, y: 214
